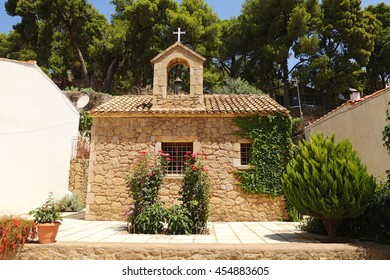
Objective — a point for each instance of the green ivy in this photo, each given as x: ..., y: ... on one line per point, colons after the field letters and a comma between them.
x: 270, y: 153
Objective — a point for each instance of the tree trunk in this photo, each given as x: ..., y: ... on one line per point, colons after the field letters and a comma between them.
x: 107, y: 84
x: 331, y: 227
x: 286, y: 88
x: 84, y: 71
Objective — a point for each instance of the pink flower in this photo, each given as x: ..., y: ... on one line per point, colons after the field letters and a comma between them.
x: 188, y: 152
x: 168, y: 159
x: 193, y: 155
x: 160, y: 151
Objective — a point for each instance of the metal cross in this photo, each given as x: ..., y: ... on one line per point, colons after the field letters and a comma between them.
x: 178, y: 33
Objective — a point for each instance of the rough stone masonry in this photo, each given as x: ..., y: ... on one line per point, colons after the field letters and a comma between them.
x: 118, y: 142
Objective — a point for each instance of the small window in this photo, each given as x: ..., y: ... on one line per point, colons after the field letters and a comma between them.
x: 245, y: 150
x: 176, y: 152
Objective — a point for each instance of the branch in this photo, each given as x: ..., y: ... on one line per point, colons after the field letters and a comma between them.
x: 295, y: 66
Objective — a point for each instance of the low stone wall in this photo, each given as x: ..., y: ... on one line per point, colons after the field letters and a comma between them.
x: 121, y: 251
x: 78, y: 178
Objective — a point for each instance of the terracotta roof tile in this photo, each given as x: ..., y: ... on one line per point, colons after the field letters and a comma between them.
x: 212, y: 104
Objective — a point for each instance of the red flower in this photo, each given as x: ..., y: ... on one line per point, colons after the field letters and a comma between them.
x: 143, y: 153
x: 193, y: 167
x: 204, y: 168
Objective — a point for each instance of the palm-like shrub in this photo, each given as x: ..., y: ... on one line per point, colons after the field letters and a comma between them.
x: 328, y: 181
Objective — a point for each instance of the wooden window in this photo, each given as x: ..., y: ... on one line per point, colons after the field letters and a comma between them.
x: 176, y: 152
x: 245, y: 149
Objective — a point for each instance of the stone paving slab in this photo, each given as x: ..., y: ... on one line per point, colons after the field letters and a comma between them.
x: 75, y: 229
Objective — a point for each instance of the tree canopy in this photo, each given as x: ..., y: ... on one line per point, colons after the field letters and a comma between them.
x: 332, y: 45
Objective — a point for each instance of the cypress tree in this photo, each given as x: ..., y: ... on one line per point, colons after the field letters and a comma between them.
x: 328, y: 181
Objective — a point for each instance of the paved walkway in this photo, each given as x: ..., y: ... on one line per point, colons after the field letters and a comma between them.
x: 75, y: 229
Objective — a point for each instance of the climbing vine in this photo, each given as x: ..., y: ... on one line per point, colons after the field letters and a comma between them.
x: 270, y: 153
x: 386, y: 137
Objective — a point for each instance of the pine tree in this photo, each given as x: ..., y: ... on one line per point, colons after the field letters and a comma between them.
x: 328, y: 181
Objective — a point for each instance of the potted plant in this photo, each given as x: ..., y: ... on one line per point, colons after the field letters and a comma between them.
x: 47, y: 219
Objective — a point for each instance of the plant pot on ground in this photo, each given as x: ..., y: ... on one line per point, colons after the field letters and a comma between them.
x: 47, y: 219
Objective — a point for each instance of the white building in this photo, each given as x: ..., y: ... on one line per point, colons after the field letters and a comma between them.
x: 37, y: 125
x: 362, y: 121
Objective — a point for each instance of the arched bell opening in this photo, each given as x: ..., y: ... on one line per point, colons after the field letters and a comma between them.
x: 178, y: 75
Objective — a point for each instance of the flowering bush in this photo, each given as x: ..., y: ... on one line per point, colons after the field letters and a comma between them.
x: 14, y: 233
x: 144, y: 182
x: 195, y: 191
x: 148, y: 215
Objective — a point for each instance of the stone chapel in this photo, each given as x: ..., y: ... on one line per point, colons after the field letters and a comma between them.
x: 177, y: 123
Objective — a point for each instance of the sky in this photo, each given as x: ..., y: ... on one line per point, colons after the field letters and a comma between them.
x: 224, y: 8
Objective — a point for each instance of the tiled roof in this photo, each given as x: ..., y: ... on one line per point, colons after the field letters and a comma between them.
x: 351, y: 104
x: 212, y: 104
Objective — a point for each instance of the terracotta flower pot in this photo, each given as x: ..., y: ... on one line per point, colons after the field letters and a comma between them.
x: 47, y: 232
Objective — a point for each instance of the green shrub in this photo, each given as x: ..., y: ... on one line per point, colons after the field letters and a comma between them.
x: 327, y: 180
x: 313, y: 225
x: 69, y: 203
x: 372, y: 225
x: 179, y: 221
x: 152, y: 219
x: 195, y: 192
x: 236, y: 86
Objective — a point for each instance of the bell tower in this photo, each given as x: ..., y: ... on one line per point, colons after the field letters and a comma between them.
x: 172, y: 56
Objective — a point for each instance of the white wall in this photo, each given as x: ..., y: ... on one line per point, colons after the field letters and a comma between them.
x: 37, y: 125
x: 362, y: 124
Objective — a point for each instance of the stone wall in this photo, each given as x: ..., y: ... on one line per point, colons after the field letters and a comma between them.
x: 117, y: 142
x: 78, y: 178
x: 123, y: 251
